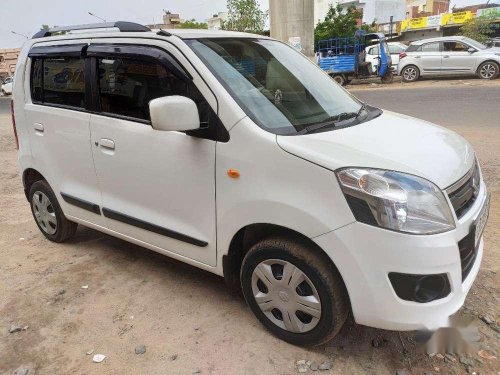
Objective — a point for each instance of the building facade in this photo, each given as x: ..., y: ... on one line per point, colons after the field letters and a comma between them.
x: 215, y: 22
x: 378, y: 11
x: 8, y: 61
x: 423, y: 8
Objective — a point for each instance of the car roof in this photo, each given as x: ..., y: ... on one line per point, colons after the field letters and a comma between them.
x: 440, y: 39
x: 200, y: 33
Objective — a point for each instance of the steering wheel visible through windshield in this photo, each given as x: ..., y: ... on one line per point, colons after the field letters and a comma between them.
x: 278, y: 88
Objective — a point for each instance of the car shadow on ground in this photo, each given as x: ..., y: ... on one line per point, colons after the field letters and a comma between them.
x: 367, y: 346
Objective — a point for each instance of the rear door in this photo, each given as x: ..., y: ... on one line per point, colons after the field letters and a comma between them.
x: 457, y: 59
x: 429, y: 58
x: 158, y: 187
x: 58, y: 123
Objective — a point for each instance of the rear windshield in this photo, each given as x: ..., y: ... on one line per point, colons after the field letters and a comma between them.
x: 278, y: 88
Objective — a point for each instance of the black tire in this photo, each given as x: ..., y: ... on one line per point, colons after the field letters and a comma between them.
x: 488, y: 70
x: 410, y: 73
x: 340, y: 79
x: 387, y: 78
x: 317, y: 267
x: 64, y: 228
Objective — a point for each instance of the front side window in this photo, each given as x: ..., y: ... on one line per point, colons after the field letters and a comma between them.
x: 279, y: 89
x: 126, y: 86
x: 455, y: 47
x: 374, y: 51
x: 59, y: 81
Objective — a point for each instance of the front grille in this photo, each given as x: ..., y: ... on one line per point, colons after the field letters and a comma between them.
x: 463, y: 193
x: 468, y: 253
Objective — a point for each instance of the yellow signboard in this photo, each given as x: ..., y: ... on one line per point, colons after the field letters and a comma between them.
x: 456, y: 18
x: 418, y: 23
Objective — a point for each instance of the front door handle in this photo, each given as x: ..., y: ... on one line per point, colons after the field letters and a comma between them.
x: 39, y: 129
x: 107, y: 143
x: 446, y: 57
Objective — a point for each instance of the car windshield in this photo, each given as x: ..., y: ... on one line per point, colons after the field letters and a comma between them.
x: 474, y: 43
x: 278, y: 88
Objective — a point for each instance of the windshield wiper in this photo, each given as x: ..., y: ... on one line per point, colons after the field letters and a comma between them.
x: 333, y: 120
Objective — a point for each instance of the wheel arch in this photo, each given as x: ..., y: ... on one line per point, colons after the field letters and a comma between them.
x: 30, y: 176
x: 248, y: 236
x: 487, y: 61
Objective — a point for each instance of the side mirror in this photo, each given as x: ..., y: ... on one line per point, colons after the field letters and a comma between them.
x: 174, y: 113
x: 471, y: 50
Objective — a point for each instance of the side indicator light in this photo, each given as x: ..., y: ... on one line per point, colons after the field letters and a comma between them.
x: 233, y: 173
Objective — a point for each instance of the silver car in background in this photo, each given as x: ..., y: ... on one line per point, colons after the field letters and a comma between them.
x: 454, y: 55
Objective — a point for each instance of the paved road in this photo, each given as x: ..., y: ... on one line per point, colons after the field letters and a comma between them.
x: 452, y: 105
x: 4, y: 105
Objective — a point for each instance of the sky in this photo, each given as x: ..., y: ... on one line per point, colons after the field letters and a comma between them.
x: 27, y: 16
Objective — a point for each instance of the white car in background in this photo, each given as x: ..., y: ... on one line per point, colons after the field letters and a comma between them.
x: 395, y: 48
x: 6, y: 88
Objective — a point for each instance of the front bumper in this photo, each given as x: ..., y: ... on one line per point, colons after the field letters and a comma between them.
x: 365, y: 255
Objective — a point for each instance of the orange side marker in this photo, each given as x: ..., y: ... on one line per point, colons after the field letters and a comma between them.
x: 233, y: 173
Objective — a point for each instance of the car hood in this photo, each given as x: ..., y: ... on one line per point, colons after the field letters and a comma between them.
x: 390, y: 141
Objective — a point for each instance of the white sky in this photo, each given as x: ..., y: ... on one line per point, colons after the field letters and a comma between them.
x: 27, y: 16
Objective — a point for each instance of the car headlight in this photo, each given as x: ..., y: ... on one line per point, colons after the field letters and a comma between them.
x: 396, y: 201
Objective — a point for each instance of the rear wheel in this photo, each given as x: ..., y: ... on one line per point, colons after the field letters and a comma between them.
x: 410, y: 73
x: 340, y: 79
x: 488, y: 70
x: 294, y: 291
x: 388, y: 77
x: 48, y: 214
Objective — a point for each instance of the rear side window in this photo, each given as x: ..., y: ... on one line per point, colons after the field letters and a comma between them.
x: 59, y: 81
x: 126, y: 86
x: 429, y: 47
x: 412, y: 48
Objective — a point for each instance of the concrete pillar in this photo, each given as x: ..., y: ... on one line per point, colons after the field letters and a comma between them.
x: 292, y: 21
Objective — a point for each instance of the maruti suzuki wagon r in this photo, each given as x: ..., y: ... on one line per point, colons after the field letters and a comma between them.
x: 236, y: 154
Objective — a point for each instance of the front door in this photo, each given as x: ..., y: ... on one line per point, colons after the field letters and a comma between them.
x: 457, y: 59
x: 158, y: 187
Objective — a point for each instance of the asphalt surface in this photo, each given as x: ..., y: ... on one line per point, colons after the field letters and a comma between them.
x: 4, y: 105
x: 447, y: 106
x: 450, y: 105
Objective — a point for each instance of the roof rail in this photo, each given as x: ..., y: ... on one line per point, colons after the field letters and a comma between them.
x: 123, y: 26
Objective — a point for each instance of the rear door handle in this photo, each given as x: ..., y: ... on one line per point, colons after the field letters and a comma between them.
x: 39, y: 129
x: 107, y: 143
x: 417, y: 57
x: 446, y: 57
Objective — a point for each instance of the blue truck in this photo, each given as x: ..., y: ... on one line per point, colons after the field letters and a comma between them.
x: 345, y: 58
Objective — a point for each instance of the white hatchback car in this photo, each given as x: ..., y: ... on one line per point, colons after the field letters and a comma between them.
x: 236, y: 154
x: 395, y: 49
x: 6, y: 87
x: 453, y: 55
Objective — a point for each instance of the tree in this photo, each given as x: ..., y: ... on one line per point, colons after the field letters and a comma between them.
x: 245, y: 15
x: 338, y: 23
x: 192, y: 24
x: 478, y: 29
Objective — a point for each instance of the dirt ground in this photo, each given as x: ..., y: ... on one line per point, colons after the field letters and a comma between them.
x: 186, y: 317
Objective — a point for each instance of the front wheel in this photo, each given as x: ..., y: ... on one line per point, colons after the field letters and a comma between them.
x: 410, y: 73
x: 488, y: 70
x: 294, y: 291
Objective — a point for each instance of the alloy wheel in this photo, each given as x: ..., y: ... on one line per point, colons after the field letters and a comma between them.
x: 410, y: 74
x: 44, y: 212
x: 487, y: 71
x: 286, y: 295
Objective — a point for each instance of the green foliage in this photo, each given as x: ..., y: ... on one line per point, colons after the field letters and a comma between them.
x: 192, y: 24
x: 372, y: 28
x: 478, y: 29
x: 337, y: 23
x: 245, y: 15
